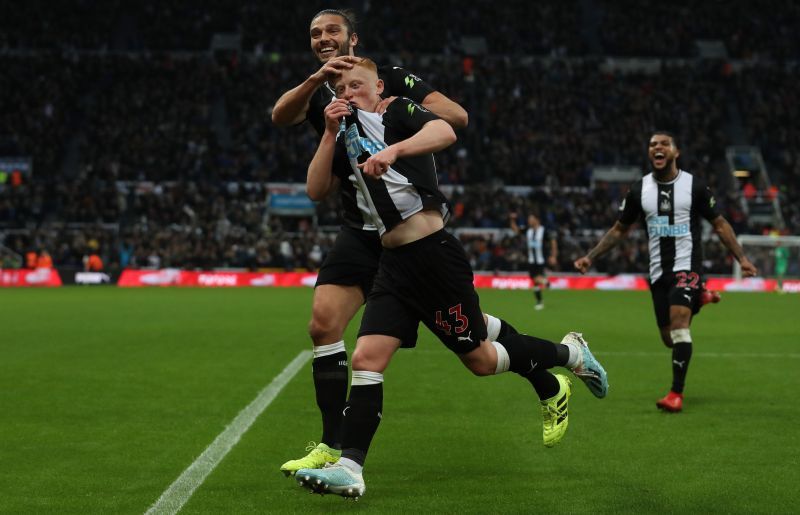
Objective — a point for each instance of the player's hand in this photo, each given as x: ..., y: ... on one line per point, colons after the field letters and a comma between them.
x: 748, y: 268
x: 334, y: 67
x: 583, y: 264
x: 512, y: 216
x: 379, y: 164
x: 552, y: 261
x: 384, y: 104
x: 334, y: 112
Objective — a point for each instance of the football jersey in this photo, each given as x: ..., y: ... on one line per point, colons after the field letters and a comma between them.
x: 535, y: 239
x: 671, y: 213
x: 397, y: 82
x: 409, y: 186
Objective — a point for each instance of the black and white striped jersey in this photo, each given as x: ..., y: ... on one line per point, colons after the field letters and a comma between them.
x: 408, y: 187
x: 535, y: 240
x: 671, y: 212
x: 397, y: 82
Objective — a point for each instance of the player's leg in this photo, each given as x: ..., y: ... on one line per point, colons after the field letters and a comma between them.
x: 332, y: 309
x: 536, y: 280
x: 683, y: 298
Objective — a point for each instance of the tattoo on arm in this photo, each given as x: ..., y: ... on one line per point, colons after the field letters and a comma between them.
x: 607, y: 242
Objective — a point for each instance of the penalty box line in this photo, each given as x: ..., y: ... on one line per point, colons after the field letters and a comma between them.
x: 174, y: 497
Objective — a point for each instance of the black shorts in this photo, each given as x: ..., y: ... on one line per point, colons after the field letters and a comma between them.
x: 429, y: 281
x: 535, y: 270
x: 353, y: 260
x: 676, y: 289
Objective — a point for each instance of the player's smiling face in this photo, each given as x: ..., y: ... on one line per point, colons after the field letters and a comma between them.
x: 361, y: 87
x: 662, y: 152
x: 329, y: 37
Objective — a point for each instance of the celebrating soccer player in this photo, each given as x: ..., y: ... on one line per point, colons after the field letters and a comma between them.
x: 671, y: 202
x: 424, y: 274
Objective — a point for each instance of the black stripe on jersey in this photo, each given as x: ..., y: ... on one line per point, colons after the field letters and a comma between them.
x: 695, y: 216
x: 666, y: 207
x: 387, y: 210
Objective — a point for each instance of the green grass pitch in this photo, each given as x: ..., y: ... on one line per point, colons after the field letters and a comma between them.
x: 107, y: 395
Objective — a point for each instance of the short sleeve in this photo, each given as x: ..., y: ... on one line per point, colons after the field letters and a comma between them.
x: 408, y: 116
x: 631, y: 208
x: 398, y: 82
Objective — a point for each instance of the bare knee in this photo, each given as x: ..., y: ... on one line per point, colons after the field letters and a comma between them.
x: 665, y: 336
x: 323, y: 328
x: 481, y: 361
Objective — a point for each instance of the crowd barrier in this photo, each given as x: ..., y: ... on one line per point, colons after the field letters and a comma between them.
x: 233, y: 278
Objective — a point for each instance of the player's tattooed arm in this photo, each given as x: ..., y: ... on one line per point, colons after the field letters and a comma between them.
x: 609, y: 240
x: 728, y: 238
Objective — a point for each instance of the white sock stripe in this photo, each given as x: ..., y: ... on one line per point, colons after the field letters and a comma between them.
x: 575, y: 356
x: 681, y: 336
x: 326, y: 350
x: 503, y: 361
x: 492, y: 327
x: 364, y: 377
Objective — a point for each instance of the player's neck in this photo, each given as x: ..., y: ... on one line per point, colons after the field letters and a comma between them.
x: 668, y: 174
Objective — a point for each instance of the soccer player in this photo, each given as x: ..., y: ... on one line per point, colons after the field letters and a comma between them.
x: 671, y: 202
x: 538, y: 256
x: 345, y: 277
x: 424, y: 274
x: 781, y: 264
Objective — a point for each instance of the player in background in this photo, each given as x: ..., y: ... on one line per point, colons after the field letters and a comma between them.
x: 345, y: 278
x: 671, y: 202
x: 781, y: 262
x: 542, y: 251
x: 424, y: 273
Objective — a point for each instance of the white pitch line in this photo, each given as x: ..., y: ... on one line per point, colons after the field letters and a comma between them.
x: 174, y: 497
x: 733, y: 355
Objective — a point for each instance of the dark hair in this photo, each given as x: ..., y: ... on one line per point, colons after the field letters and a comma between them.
x: 347, y: 15
x: 666, y: 133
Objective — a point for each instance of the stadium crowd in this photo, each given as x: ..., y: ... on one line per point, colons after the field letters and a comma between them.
x: 154, y: 152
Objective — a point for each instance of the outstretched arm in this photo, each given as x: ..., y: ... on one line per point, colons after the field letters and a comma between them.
x: 728, y: 238
x: 614, y: 235
x: 446, y: 109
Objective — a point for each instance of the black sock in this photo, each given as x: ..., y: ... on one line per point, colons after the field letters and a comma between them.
x: 506, y: 329
x: 545, y: 383
x: 361, y: 418
x: 681, y: 355
x: 537, y: 292
x: 330, y: 384
x: 529, y: 353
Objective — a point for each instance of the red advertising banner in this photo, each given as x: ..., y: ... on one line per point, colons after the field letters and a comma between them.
x: 11, y: 278
x: 233, y: 279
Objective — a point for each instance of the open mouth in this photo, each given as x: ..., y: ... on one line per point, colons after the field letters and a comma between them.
x: 659, y: 159
x: 327, y: 52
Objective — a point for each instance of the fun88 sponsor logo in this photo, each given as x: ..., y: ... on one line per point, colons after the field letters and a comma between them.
x: 356, y: 144
x: 659, y: 226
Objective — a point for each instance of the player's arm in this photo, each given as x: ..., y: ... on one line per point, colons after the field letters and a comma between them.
x: 320, y: 180
x: 446, y: 109
x: 553, y: 259
x: 512, y: 217
x: 616, y: 234
x: 728, y: 238
x: 435, y: 135
x: 292, y: 106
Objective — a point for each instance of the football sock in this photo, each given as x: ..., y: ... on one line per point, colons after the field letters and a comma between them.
x: 528, y: 353
x: 681, y: 355
x: 362, y: 415
x: 506, y: 330
x: 545, y: 383
x: 537, y: 292
x: 329, y: 370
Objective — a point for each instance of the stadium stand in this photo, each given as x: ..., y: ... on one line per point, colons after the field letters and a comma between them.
x: 153, y: 150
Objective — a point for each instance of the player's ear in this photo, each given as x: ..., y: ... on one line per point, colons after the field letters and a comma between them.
x: 353, y: 42
x: 380, y: 86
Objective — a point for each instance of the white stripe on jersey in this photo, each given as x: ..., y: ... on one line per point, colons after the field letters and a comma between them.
x: 650, y: 208
x: 682, y: 209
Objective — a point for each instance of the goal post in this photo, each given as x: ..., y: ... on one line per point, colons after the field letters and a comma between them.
x: 762, y: 252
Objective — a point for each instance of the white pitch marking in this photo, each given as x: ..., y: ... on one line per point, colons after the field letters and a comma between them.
x: 174, y: 497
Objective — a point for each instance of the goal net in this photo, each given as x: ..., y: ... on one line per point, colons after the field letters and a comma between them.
x: 775, y: 256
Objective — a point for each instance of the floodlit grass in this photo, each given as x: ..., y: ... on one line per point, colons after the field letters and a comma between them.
x: 107, y: 395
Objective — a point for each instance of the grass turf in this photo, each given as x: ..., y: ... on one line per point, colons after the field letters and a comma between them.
x: 108, y: 394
